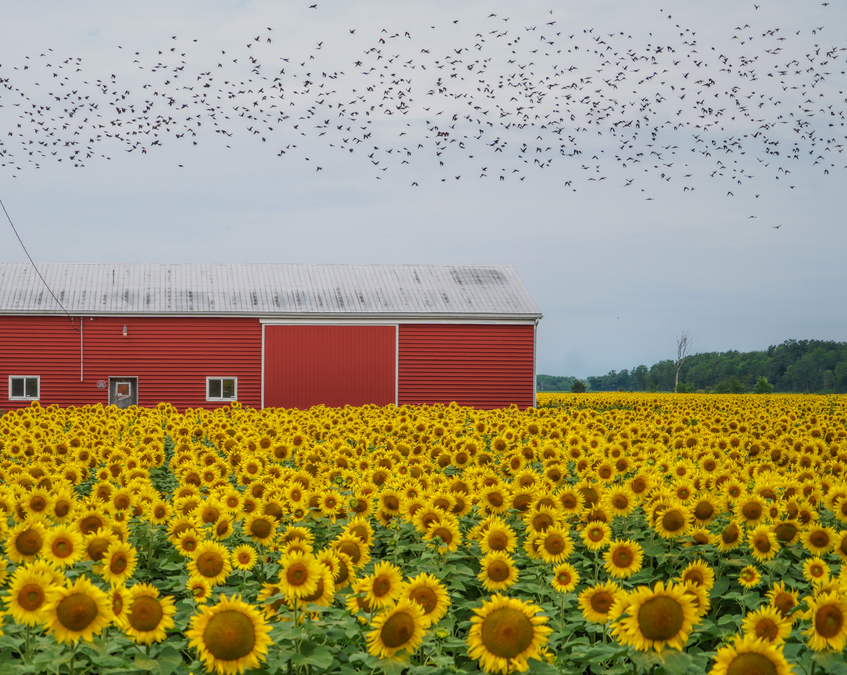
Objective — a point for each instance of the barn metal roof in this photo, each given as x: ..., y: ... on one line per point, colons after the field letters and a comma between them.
x: 268, y: 290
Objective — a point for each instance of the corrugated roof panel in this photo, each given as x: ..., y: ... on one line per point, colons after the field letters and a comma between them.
x: 266, y: 289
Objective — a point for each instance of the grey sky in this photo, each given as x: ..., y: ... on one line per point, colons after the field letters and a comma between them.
x: 618, y: 270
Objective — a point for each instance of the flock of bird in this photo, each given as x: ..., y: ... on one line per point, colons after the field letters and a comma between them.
x: 505, y: 99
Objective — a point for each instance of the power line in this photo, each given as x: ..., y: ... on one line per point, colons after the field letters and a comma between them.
x: 15, y: 230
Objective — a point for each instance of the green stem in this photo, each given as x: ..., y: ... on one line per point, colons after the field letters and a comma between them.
x: 73, y: 655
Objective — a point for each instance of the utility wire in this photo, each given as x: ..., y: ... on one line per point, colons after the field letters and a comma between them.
x: 14, y: 229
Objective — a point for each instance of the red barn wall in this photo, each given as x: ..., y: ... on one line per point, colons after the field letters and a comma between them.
x: 330, y: 365
x: 480, y: 365
x: 170, y: 356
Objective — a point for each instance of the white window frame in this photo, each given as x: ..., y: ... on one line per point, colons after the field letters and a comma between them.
x: 25, y: 378
x: 222, y: 398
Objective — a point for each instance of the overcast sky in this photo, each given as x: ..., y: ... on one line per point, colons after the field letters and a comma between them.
x: 623, y: 244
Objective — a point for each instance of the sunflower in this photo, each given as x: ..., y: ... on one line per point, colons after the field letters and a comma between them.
x: 27, y: 595
x: 244, y: 557
x: 230, y: 637
x: 63, y: 546
x: 97, y: 543
x: 497, y: 571
x: 119, y: 596
x: 211, y: 561
x: 147, y: 615
x: 324, y: 592
x: 187, y: 542
x: 498, y: 537
x: 596, y: 601
x: 565, y: 578
x: 674, y: 521
x: 750, y: 510
x: 506, y: 633
x: 816, y: 571
x: 658, y: 617
x: 78, y: 610
x: 384, y: 586
x: 700, y: 573
x: 199, y: 588
x: 26, y: 540
x: 704, y: 510
x: 623, y: 558
x: 784, y: 600
x: 768, y: 624
x: 444, y: 535
x: 787, y: 531
x: 337, y: 563
x: 699, y: 597
x: 619, y: 501
x: 399, y: 629
x: 351, y: 546
x: 749, y: 654
x: 555, y: 545
x: 828, y: 613
x: 762, y: 542
x: 357, y: 602
x: 260, y: 528
x: 495, y: 499
x: 118, y: 563
x: 749, y: 577
x: 571, y: 501
x: 730, y: 537
x: 430, y: 594
x: 818, y: 540
x: 299, y: 574
x: 596, y: 536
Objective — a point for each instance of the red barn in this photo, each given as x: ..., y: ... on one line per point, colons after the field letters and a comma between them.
x: 199, y: 335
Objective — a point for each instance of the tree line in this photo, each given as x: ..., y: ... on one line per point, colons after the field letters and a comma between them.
x: 795, y: 366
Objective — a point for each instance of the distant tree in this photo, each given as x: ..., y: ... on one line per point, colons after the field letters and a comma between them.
x: 683, y: 349
x: 578, y: 387
x: 763, y: 386
x: 731, y: 386
x: 640, y: 374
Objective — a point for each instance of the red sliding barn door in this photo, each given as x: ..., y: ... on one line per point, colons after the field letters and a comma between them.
x: 330, y: 365
x: 480, y: 365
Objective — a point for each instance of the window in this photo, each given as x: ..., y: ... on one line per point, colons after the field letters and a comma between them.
x: 25, y: 387
x: 221, y: 388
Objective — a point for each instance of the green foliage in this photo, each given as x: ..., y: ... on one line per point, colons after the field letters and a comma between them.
x: 578, y: 387
x: 795, y: 366
x: 730, y: 386
x: 763, y: 386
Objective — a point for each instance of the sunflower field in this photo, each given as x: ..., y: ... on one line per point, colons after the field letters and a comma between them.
x: 613, y: 533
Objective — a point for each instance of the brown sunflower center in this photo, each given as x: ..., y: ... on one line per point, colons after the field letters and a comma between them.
x: 91, y: 523
x: 819, y: 539
x: 28, y: 542
x: 351, y: 549
x: 569, y: 502
x: 444, y: 534
x: 704, y: 511
x: 622, y: 557
x: 828, y: 621
x: 694, y: 575
x: 145, y: 613
x: 76, y: 612
x: 751, y: 663
x: 97, y: 548
x: 555, y: 544
x: 260, y: 528
x: 62, y: 547
x: 426, y: 598
x: 297, y: 574
x: 542, y: 521
x: 121, y: 502
x: 752, y: 511
x: 507, y: 632
x: 118, y: 563
x: 498, y: 571
x: 244, y: 558
x: 673, y: 521
x: 229, y: 635
x: 762, y: 544
x: 391, y: 503
x: 596, y: 534
x: 620, y: 501
x: 381, y: 586
x: 730, y: 534
x: 602, y: 602
x: 784, y: 602
x: 498, y: 541
x: 397, y: 630
x: 31, y: 597
x: 38, y: 504
x: 222, y: 527
x: 767, y: 630
x: 564, y: 578
x: 62, y: 508
x: 319, y: 591
x: 660, y: 618
x: 210, y: 564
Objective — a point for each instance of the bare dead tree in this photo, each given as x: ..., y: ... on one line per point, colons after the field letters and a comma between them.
x: 683, y: 350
